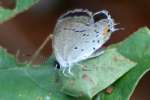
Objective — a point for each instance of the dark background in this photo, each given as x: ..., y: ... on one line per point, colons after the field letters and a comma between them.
x: 28, y: 30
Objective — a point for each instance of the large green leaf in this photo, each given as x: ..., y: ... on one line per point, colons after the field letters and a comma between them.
x: 21, y: 5
x: 25, y: 82
x: 136, y: 48
x: 44, y: 82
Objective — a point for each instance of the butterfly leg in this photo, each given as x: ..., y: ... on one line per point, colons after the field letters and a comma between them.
x: 64, y: 72
x: 69, y: 71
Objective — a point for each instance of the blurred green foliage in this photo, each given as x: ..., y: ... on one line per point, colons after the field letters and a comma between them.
x: 21, y: 5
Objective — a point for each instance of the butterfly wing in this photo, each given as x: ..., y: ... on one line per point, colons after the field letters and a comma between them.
x: 65, y: 37
x: 77, y: 37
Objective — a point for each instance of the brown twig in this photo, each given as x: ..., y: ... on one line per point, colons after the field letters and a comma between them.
x: 37, y: 52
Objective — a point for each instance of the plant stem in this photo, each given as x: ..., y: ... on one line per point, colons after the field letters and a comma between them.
x: 37, y: 52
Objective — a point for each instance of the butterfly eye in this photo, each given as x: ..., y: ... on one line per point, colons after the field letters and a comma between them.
x: 57, y: 65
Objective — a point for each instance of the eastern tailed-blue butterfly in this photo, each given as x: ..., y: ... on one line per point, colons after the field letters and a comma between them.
x: 78, y: 36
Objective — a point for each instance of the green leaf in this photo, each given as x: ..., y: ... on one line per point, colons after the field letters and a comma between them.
x: 22, y: 82
x: 21, y: 5
x: 43, y: 82
x: 136, y: 48
x: 94, y: 75
x: 39, y: 82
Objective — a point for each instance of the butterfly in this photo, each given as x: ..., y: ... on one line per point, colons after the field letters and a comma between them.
x: 79, y: 36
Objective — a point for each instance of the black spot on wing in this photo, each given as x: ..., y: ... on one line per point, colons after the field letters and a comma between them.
x: 93, y: 41
x: 96, y: 31
x: 82, y: 49
x: 75, y: 47
x: 97, y: 35
x: 79, y: 31
x: 87, y: 35
x: 93, y: 48
x: 84, y: 34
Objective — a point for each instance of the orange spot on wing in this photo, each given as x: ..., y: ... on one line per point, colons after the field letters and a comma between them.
x: 105, y: 31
